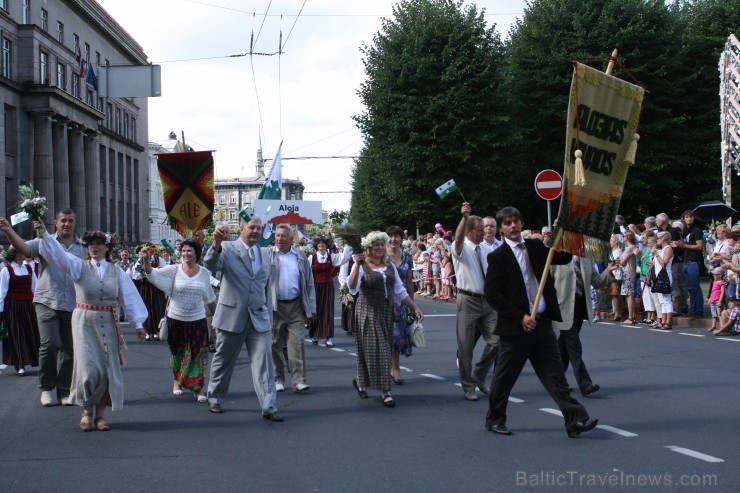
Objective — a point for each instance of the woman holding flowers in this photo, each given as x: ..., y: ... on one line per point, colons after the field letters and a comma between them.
x: 98, y: 340
x: 379, y: 287
x: 17, y: 285
x: 188, y: 286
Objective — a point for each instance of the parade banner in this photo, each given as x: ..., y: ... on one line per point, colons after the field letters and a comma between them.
x: 187, y: 187
x: 289, y: 211
x: 601, y: 142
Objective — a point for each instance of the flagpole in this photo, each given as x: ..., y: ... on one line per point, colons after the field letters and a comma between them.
x: 546, y: 272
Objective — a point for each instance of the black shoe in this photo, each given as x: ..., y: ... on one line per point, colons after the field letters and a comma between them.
x: 397, y: 381
x: 581, y: 427
x: 155, y: 337
x: 315, y: 342
x: 590, y: 390
x: 499, y: 429
x: 484, y: 389
x: 388, y: 401
x: 215, y: 407
x: 274, y: 417
x: 361, y: 393
x: 211, y: 348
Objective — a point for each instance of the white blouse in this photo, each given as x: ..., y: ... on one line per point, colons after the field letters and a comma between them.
x: 399, y: 288
x: 188, y: 295
x: 128, y: 295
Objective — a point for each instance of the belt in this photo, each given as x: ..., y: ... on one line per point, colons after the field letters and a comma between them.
x: 114, y: 310
x: 472, y: 295
x: 290, y: 301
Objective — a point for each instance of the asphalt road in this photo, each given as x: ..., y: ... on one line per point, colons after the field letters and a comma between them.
x: 667, y: 410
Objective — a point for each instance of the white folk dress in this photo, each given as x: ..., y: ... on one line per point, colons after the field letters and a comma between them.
x: 97, y: 342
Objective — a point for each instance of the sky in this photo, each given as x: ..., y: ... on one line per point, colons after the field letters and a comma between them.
x: 305, y: 96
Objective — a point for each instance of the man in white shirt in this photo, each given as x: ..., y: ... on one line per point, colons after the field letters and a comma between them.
x: 490, y: 242
x: 475, y: 317
x: 291, y: 290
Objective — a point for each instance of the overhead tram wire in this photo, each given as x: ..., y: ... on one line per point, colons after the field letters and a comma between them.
x: 254, y: 82
x: 291, y: 27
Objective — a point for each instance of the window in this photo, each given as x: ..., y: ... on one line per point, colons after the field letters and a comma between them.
x: 7, y: 57
x: 26, y: 11
x: 232, y: 215
x: 76, y: 85
x: 75, y: 44
x: 60, y: 32
x: 4, y: 5
x: 62, y: 76
x: 89, y: 97
x: 87, y: 53
x: 133, y: 128
x: 125, y: 124
x: 97, y: 58
x: 44, y: 20
x: 109, y: 116
x: 118, y: 120
x: 43, y: 68
x: 223, y: 199
x: 232, y: 198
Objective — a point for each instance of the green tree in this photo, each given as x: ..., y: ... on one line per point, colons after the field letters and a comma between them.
x: 433, y: 111
x: 553, y: 33
x: 338, y: 217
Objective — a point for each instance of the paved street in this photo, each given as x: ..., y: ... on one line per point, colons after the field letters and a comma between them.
x: 667, y: 412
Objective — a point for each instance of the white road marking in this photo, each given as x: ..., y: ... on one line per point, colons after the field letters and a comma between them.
x: 515, y: 400
x: 618, y: 431
x: 550, y: 410
x: 694, y: 453
x: 661, y: 330
x: 351, y: 354
x: 692, y: 335
x: 406, y: 369
x: 728, y: 339
x: 339, y: 350
x: 429, y: 375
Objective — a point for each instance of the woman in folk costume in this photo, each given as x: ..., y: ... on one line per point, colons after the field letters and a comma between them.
x: 376, y: 280
x: 324, y: 265
x: 154, y: 299
x: 188, y: 286
x: 98, y: 340
x: 17, y: 285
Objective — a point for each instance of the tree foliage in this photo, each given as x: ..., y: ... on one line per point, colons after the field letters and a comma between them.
x: 433, y: 112
x: 445, y: 98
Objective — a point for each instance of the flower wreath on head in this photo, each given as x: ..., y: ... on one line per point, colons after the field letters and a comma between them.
x: 9, y: 254
x: 95, y: 235
x: 367, y: 241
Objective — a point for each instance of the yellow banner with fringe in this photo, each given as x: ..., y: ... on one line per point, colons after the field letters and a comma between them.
x: 600, y: 146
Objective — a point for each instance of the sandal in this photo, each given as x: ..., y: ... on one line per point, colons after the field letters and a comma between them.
x: 665, y: 327
x: 388, y: 401
x: 86, y: 423
x: 201, y: 398
x: 177, y: 392
x: 397, y: 381
x: 361, y: 393
x: 101, y: 425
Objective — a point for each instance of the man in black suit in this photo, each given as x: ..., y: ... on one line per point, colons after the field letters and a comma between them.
x: 512, y: 280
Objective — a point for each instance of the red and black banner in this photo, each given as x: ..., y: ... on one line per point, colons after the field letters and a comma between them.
x: 187, y: 187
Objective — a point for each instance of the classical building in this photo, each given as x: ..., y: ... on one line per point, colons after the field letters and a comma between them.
x: 77, y: 149
x: 233, y: 194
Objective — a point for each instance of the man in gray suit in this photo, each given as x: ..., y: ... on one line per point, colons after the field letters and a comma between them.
x: 573, y: 282
x: 292, y: 295
x: 243, y: 315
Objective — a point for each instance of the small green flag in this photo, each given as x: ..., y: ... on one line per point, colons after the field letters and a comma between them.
x: 446, y: 189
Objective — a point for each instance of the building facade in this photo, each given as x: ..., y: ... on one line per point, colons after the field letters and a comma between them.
x: 77, y: 149
x: 233, y: 194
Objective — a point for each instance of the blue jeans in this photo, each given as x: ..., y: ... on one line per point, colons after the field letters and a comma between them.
x: 691, y: 274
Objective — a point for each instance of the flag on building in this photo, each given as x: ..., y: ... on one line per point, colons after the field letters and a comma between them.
x: 445, y: 189
x: 600, y: 147
x: 80, y: 64
x: 187, y: 188
x: 272, y: 189
x: 91, y: 79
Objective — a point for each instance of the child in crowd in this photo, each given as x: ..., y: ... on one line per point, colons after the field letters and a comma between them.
x: 730, y: 318
x: 423, y: 258
x: 437, y: 252
x: 446, y: 277
x: 716, y: 296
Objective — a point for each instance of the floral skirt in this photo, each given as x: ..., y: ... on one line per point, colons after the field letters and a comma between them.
x: 188, y: 343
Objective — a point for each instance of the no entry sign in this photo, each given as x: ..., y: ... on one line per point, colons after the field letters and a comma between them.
x: 548, y: 184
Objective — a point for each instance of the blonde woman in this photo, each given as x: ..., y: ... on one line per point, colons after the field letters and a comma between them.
x: 379, y: 287
x: 630, y: 282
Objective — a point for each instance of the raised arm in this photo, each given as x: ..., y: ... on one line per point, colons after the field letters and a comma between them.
x: 15, y: 240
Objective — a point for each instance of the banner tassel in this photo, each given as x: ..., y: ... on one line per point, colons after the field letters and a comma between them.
x: 629, y: 158
x: 580, y: 180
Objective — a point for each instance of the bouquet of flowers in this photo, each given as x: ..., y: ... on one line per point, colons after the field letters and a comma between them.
x: 33, y: 204
x: 349, y: 235
x: 307, y: 249
x: 344, y: 296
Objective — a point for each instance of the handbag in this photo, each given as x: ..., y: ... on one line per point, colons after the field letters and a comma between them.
x: 418, y: 340
x: 662, y: 284
x: 164, y: 330
x: 617, y: 273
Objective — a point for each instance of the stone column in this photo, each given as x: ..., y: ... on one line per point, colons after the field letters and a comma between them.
x: 92, y: 180
x: 61, y: 165
x: 43, y: 163
x: 77, y: 174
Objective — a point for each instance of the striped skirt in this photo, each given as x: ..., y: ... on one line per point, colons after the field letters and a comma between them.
x: 21, y: 348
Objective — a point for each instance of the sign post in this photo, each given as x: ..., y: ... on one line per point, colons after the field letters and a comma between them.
x: 549, y: 185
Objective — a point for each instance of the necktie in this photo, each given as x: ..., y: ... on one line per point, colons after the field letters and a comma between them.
x: 531, y: 282
x: 251, y: 254
x: 579, y: 277
x: 480, y: 262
